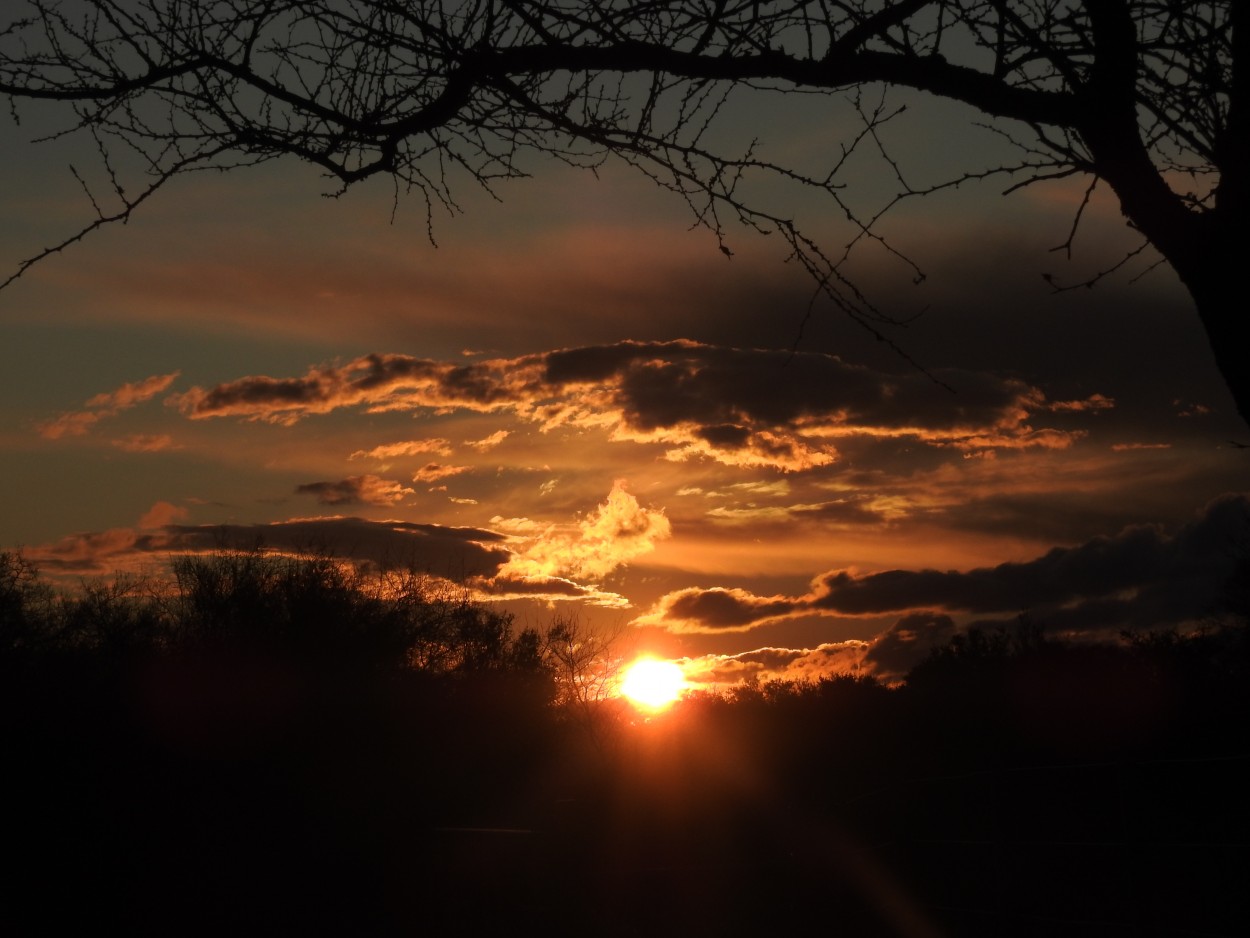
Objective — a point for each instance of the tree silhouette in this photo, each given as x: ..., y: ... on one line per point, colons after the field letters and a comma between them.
x: 1143, y: 95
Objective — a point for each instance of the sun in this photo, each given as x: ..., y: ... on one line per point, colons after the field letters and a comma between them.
x: 652, y: 683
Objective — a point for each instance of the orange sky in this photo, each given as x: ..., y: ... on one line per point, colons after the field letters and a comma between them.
x: 576, y: 403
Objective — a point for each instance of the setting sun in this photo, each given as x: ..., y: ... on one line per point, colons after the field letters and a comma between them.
x: 653, y: 683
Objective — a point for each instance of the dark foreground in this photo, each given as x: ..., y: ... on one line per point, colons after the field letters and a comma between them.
x: 1011, y: 788
x: 197, y: 802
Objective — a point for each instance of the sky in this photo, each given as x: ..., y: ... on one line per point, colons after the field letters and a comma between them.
x: 571, y: 402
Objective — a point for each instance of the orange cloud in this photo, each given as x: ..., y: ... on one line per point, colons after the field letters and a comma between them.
x: 719, y: 672
x: 107, y: 404
x: 616, y: 532
x: 739, y: 407
x: 489, y: 442
x: 406, y: 448
x: 432, y: 472
x: 161, y: 514
x: 144, y: 443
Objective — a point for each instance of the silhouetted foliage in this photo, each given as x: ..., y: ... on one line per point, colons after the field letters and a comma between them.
x: 182, y: 759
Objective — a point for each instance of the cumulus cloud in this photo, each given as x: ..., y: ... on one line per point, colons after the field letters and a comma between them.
x: 356, y: 490
x: 741, y: 407
x: 614, y: 533
x: 1140, y: 578
x: 107, y: 404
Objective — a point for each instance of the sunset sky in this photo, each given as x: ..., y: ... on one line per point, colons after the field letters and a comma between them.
x: 577, y: 403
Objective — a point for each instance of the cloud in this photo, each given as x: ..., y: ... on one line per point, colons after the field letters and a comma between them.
x: 161, y: 514
x: 453, y: 553
x: 906, y: 643
x: 720, y: 610
x: 516, y: 525
x: 777, y: 664
x: 490, y: 442
x: 107, y: 404
x: 377, y: 382
x: 506, y: 586
x: 70, y: 424
x: 841, y: 511
x: 789, y: 411
x: 1094, y: 402
x: 405, y: 448
x: 356, y: 490
x: 614, y: 533
x: 432, y: 472
x: 144, y: 443
x: 130, y: 394
x: 1140, y: 578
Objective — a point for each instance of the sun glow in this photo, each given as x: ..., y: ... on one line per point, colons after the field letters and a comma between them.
x: 652, y: 683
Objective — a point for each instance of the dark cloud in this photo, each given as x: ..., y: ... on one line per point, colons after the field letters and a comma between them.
x: 449, y: 552
x: 377, y: 382
x: 907, y: 642
x: 356, y: 490
x: 753, y: 407
x: 1142, y: 559
x: 719, y: 610
x: 1140, y: 578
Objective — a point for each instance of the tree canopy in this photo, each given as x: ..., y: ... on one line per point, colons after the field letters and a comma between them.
x: 1142, y: 95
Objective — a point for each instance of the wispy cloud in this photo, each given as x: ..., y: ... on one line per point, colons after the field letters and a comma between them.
x: 107, y: 404
x: 405, y: 448
x: 144, y: 442
x: 489, y: 442
x: 432, y: 472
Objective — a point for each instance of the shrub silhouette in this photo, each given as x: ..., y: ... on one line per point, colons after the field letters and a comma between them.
x: 298, y: 745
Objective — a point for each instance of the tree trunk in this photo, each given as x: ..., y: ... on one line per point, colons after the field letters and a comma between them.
x: 1219, y: 291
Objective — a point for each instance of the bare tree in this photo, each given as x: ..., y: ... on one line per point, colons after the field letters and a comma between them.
x: 1142, y: 95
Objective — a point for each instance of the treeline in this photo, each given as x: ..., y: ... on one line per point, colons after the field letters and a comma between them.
x: 309, y: 608
x: 270, y: 744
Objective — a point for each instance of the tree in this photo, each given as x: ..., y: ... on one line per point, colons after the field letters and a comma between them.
x: 1142, y: 95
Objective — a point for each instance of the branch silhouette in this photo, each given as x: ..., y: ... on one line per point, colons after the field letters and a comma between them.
x: 1142, y: 95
